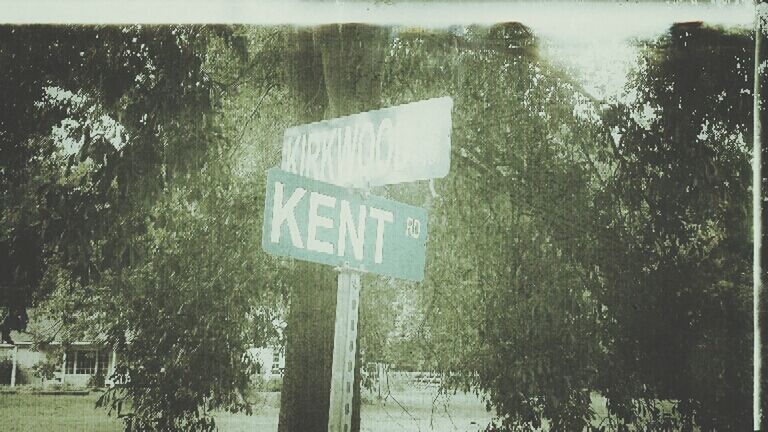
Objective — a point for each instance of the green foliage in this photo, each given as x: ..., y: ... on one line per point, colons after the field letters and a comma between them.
x: 507, y: 310
x: 23, y: 375
x: 675, y: 253
x: 6, y: 365
x: 89, y: 119
x: 97, y: 380
x: 261, y: 384
x: 380, y: 306
x: 117, y: 163
x: 46, y: 368
x: 183, y: 307
x: 64, y: 388
x: 569, y: 263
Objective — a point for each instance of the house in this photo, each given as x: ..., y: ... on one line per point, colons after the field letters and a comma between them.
x: 79, y: 364
x: 88, y: 362
x: 271, y: 360
x: 270, y: 357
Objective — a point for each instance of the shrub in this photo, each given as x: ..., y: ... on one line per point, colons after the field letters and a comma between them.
x: 260, y: 384
x: 5, y: 371
x: 63, y: 387
x: 23, y: 374
x: 97, y: 379
x: 45, y: 369
x: 274, y: 384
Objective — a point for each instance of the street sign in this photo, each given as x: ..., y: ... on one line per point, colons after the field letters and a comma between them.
x: 392, y: 145
x: 312, y: 214
x: 324, y: 223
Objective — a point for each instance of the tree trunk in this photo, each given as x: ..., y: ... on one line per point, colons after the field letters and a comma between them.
x: 335, y: 71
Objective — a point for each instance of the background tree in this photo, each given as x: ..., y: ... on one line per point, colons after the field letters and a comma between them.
x: 90, y: 119
x: 505, y: 288
x: 676, y: 247
x: 125, y: 209
x: 576, y: 244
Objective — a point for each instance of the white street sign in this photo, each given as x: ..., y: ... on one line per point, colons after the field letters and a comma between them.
x: 392, y: 145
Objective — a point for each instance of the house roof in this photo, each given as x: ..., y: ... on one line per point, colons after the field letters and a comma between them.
x: 43, y: 328
x: 21, y: 337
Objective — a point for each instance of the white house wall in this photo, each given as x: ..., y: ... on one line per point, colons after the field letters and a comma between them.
x: 265, y: 357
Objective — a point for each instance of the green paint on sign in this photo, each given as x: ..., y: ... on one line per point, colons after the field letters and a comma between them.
x: 328, y: 224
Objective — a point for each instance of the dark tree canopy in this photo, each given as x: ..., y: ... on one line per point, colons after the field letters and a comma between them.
x: 57, y: 172
x: 116, y: 177
x: 677, y: 290
x: 585, y: 247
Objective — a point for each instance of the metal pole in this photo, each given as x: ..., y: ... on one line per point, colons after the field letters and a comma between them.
x: 757, y: 216
x: 344, y: 348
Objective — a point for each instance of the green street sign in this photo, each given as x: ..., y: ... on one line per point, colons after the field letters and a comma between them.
x: 323, y: 223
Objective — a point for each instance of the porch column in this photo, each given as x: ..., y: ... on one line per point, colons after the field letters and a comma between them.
x: 13, y: 367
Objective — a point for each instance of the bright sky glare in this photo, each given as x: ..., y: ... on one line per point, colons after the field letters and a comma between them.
x: 591, y: 39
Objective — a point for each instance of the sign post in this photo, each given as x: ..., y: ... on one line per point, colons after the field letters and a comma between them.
x: 311, y: 214
x: 344, y: 349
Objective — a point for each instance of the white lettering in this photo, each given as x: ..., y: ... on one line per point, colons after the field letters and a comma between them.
x: 384, y: 126
x: 316, y: 221
x: 413, y: 228
x: 291, y: 154
x: 302, y: 146
x: 285, y: 213
x: 347, y: 225
x: 381, y: 217
x: 326, y: 170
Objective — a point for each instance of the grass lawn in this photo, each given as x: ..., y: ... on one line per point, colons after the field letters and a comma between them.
x: 423, y: 410
x: 404, y: 410
x: 27, y: 413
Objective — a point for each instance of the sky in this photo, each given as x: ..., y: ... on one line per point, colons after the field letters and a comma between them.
x: 600, y: 46
x: 592, y: 39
